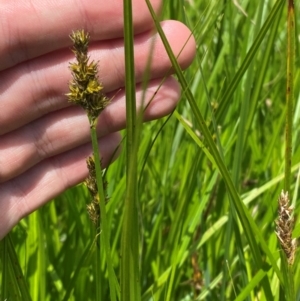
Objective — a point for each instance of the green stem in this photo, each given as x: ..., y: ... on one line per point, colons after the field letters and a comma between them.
x: 288, y: 275
x: 286, y: 267
x: 130, y: 275
x: 289, y: 94
x: 104, y: 223
x: 291, y: 283
x: 97, y: 245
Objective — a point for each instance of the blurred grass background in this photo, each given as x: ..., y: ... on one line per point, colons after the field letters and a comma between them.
x: 192, y: 245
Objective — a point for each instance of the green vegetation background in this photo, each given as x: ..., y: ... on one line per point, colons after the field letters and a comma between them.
x: 193, y: 241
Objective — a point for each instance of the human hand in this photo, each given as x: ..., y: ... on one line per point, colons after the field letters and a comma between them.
x: 43, y: 139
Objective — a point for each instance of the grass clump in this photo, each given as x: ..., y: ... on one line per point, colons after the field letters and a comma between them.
x: 209, y: 176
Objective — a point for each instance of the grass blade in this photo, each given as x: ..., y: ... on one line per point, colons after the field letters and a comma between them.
x: 17, y: 272
x: 250, y: 228
x: 225, y: 101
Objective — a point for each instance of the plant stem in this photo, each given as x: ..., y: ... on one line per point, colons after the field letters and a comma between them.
x: 286, y: 267
x: 291, y: 283
x: 289, y: 94
x: 288, y: 275
x: 104, y: 224
x: 130, y: 275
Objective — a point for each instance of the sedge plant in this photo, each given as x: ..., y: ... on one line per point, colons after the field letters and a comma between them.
x: 86, y: 91
x: 200, y: 224
x: 285, y: 222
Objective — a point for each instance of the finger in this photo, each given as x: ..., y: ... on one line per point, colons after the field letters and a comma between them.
x: 22, y: 39
x: 69, y: 128
x: 26, y: 193
x: 36, y: 88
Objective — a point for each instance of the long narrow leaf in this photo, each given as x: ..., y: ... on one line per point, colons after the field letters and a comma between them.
x: 247, y: 221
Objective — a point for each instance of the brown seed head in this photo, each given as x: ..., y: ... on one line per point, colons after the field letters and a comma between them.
x: 284, y: 227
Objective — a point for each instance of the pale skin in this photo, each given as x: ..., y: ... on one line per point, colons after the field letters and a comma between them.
x: 43, y: 139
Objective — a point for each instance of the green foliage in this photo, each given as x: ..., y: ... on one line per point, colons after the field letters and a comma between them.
x: 209, y: 177
x: 129, y: 263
